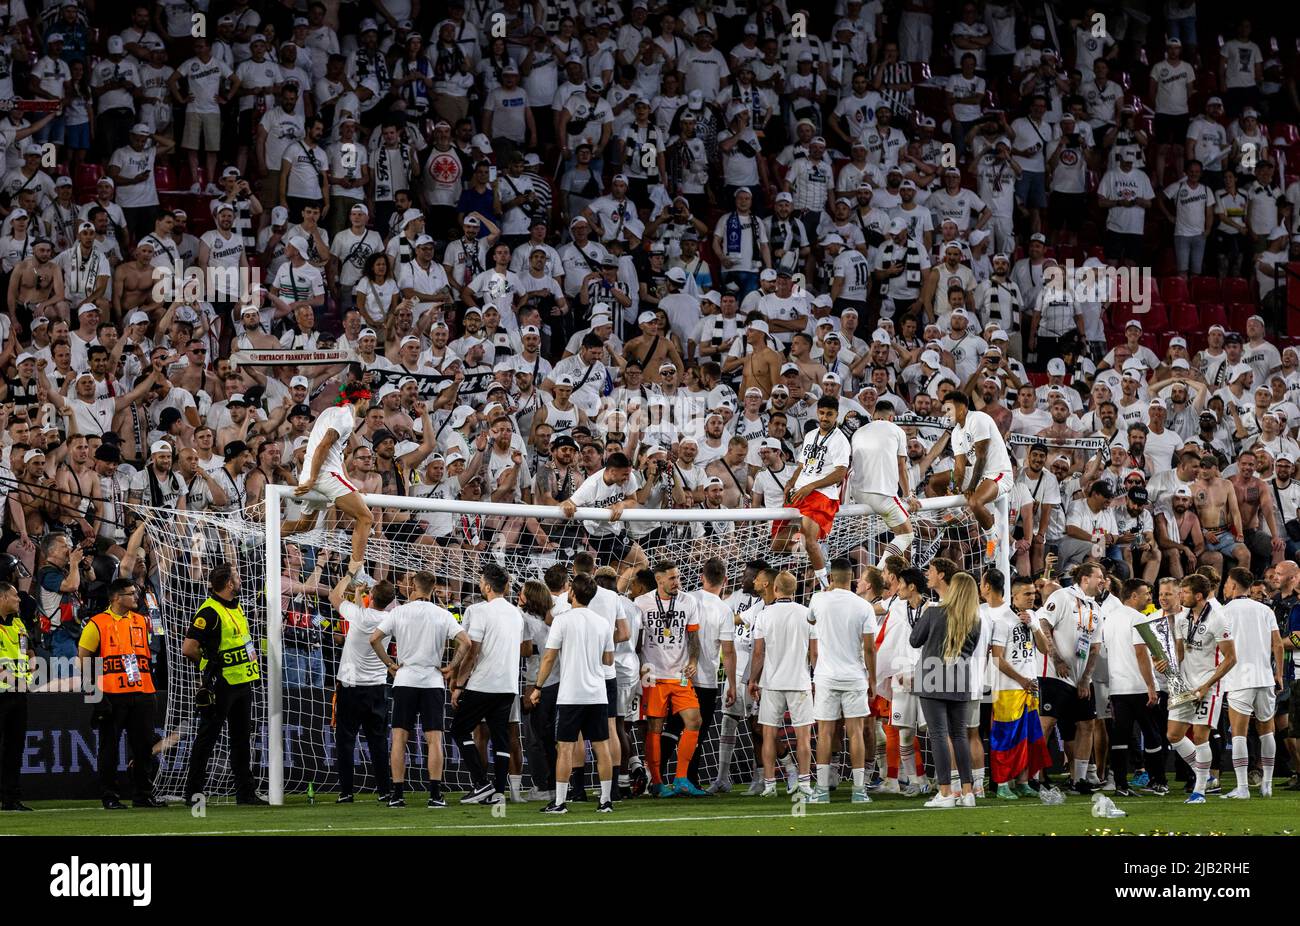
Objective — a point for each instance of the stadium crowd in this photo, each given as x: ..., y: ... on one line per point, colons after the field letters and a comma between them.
x: 644, y: 239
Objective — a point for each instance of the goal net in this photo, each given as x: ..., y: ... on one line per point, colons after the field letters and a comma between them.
x: 285, y: 582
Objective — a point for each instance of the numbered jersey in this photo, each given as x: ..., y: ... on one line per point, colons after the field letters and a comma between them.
x: 745, y: 609
x: 1201, y: 634
x: 664, y: 626
x: 855, y: 271
x: 819, y: 456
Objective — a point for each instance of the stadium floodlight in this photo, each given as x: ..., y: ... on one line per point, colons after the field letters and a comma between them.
x: 296, y: 627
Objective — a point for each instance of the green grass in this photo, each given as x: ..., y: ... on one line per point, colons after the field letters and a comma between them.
x: 724, y: 815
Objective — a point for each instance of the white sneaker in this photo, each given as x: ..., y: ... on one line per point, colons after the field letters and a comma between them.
x: 911, y: 789
x: 755, y: 789
x: 720, y: 786
x: 1092, y: 777
x: 518, y: 799
x: 925, y: 784
x: 535, y: 795
x: 1266, y: 788
x: 1235, y: 795
x: 805, y: 791
x: 939, y: 802
x: 836, y: 778
x: 769, y: 790
x: 212, y: 190
x: 1109, y: 783
x: 968, y: 800
x: 979, y: 789
x: 196, y: 189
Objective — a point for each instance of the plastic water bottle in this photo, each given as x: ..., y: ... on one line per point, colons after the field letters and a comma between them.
x: 311, y: 792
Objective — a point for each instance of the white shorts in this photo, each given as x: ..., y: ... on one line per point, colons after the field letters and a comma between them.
x: 973, y: 718
x: 1258, y: 702
x: 775, y: 702
x: 629, y: 701
x: 1101, y: 699
x: 1204, y: 713
x: 904, y: 709
x: 890, y: 508
x: 329, y: 488
x: 836, y: 703
x: 1004, y: 482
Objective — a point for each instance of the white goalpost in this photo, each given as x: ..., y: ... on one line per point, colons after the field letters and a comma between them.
x: 293, y: 738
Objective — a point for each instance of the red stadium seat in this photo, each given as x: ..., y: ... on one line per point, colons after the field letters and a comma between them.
x: 1155, y: 319
x: 85, y: 180
x: 1184, y: 316
x: 164, y: 178
x: 1206, y: 289
x: 1236, y: 289
x: 1238, y: 312
x: 1173, y: 289
x: 1211, y: 313
x: 1288, y: 132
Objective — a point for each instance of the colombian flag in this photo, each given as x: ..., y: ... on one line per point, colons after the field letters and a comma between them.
x: 1017, y: 737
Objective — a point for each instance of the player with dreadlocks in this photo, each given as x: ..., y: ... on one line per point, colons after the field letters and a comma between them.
x: 324, y: 475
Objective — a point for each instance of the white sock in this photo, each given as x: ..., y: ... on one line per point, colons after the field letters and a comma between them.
x: 606, y: 790
x: 787, y: 762
x: 561, y: 791
x: 634, y: 762
x: 859, y: 778
x: 907, y: 759
x: 1241, y: 764
x: 1202, y: 766
x: 1080, y: 769
x: 824, y: 777
x: 1267, y: 755
x: 516, y: 785
x: 977, y: 776
x: 870, y: 768
x: 1186, y: 750
x: 954, y: 779
x: 726, y: 745
x: 624, y: 781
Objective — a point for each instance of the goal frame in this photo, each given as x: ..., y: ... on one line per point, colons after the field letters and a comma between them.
x: 276, y: 494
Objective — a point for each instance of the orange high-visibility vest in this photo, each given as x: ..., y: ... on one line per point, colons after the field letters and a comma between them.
x: 119, y: 638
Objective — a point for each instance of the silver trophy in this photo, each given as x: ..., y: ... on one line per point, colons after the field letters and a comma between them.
x: 1179, y: 691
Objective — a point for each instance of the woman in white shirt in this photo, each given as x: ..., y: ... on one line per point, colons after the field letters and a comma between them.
x: 376, y: 293
x: 1230, y: 210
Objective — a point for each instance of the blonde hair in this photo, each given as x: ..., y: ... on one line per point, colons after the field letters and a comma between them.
x: 962, y: 604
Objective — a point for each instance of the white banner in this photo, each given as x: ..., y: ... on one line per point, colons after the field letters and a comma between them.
x: 286, y: 357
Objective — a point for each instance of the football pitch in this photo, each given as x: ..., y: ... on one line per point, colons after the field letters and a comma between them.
x: 724, y: 815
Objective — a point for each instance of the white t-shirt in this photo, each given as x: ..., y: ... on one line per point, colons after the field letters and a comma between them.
x: 608, y: 605
x: 1253, y: 625
x: 1201, y: 635
x: 1190, y: 201
x: 1018, y: 648
x: 1124, y: 186
x: 819, y: 455
x: 666, y: 623
x: 497, y: 626
x: 595, y: 493
x: 583, y: 637
x: 980, y: 427
x: 341, y: 421
x: 1076, y: 623
x: 1173, y: 84
x: 842, y: 619
x: 716, y: 622
x: 421, y: 630
x: 785, y: 627
x: 876, y: 445
x: 1121, y: 658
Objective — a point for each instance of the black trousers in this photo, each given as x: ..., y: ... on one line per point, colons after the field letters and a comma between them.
x: 132, y: 714
x: 492, y: 708
x: 362, y: 708
x: 13, y: 736
x: 232, y: 709
x: 542, y: 720
x: 1130, y: 710
x: 708, y: 698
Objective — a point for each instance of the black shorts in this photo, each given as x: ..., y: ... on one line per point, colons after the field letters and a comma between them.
x: 611, y: 546
x: 611, y: 697
x: 1067, y: 210
x: 404, y: 531
x: 581, y: 721
x: 1171, y: 130
x: 1120, y: 246
x: 424, y: 704
x: 1060, y: 700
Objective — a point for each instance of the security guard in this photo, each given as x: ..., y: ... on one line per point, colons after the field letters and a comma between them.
x: 119, y: 638
x: 219, y: 642
x: 15, y: 674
